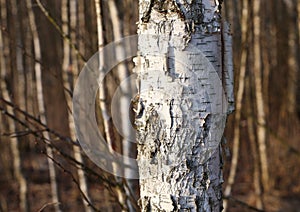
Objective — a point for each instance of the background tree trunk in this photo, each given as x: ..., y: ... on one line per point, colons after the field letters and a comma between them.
x: 70, y: 73
x: 102, y: 102
x: 239, y: 100
x: 41, y: 104
x: 14, y: 141
x: 261, y: 119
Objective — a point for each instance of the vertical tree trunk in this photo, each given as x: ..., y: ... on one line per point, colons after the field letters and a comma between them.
x: 253, y: 144
x: 102, y: 99
x: 124, y: 98
x: 298, y: 73
x: 181, y: 110
x: 72, y: 69
x: 41, y: 104
x: 292, y: 62
x: 239, y: 99
x: 261, y: 119
x: 74, y: 73
x: 14, y: 142
x: 102, y: 89
x: 298, y: 20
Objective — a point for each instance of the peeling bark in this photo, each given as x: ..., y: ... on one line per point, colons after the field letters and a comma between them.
x: 179, y: 114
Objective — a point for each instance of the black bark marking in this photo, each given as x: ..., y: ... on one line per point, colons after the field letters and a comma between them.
x: 171, y: 113
x: 162, y: 6
x: 147, y: 13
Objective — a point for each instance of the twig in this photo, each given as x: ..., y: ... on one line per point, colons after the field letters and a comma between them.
x: 46, y: 205
x: 74, y: 180
x: 57, y: 27
x: 108, y: 183
x: 36, y: 120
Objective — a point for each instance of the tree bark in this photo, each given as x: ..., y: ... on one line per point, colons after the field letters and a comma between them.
x: 179, y: 162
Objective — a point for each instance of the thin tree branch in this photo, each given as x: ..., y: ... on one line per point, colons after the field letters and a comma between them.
x: 57, y: 27
x: 107, y: 182
x: 86, y: 198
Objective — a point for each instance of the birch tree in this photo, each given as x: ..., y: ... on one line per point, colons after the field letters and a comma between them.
x: 182, y: 108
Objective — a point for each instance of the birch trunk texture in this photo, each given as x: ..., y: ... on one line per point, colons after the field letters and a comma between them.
x: 180, y: 111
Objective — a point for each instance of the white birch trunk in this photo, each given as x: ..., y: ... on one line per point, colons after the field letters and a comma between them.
x: 180, y: 111
x: 69, y: 68
x: 41, y: 104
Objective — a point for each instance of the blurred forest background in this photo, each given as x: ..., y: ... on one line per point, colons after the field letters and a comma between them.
x: 44, y: 45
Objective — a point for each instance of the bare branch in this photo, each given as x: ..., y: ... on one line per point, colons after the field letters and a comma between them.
x: 57, y: 27
x: 86, y: 198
